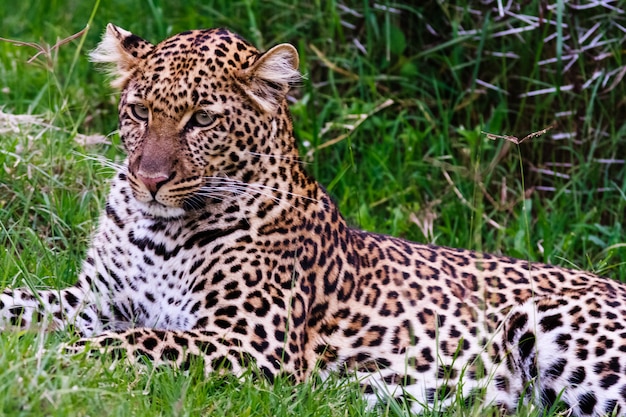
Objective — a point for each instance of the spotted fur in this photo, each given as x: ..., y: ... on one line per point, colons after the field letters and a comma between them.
x: 215, y: 243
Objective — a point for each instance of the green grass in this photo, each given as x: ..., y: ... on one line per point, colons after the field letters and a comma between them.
x: 394, y: 133
x: 36, y: 383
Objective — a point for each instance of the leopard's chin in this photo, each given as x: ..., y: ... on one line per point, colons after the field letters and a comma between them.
x: 158, y: 210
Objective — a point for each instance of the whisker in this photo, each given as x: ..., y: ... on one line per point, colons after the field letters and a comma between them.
x: 243, y: 189
x: 210, y: 192
x: 240, y: 189
x: 283, y: 157
x: 103, y: 161
x: 228, y: 181
x: 197, y: 201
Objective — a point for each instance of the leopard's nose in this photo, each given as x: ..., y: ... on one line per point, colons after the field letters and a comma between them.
x: 152, y: 182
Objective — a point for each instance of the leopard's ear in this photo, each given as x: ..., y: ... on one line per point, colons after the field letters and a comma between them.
x: 122, y: 51
x: 268, y: 79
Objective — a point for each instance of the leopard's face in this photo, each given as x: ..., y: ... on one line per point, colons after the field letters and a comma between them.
x: 197, y: 112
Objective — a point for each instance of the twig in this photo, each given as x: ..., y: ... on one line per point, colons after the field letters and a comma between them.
x: 467, y: 203
x: 516, y: 140
x: 360, y: 119
x: 332, y: 66
x: 44, y: 49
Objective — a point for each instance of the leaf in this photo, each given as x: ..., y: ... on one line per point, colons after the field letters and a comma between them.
x: 397, y: 40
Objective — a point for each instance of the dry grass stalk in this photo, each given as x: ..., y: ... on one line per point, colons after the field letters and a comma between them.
x: 44, y: 49
x: 515, y: 139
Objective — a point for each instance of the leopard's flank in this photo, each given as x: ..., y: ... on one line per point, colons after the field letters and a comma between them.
x: 216, y: 243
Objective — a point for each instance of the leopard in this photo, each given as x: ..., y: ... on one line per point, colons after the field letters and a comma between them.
x: 216, y: 245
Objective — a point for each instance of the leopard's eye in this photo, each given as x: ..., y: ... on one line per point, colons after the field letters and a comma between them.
x: 202, y: 118
x: 139, y: 112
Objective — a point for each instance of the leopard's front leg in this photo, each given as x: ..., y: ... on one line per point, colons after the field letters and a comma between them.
x: 219, y: 353
x: 21, y: 308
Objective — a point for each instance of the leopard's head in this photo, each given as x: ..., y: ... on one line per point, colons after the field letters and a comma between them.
x: 200, y: 112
